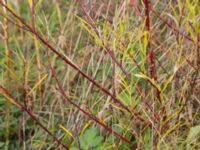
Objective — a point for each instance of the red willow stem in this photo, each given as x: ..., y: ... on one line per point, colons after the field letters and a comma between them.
x: 115, y: 100
x: 146, y: 101
x: 156, y: 116
x: 149, y: 50
x: 176, y: 30
x: 29, y: 29
x: 37, y: 51
x: 171, y: 26
x: 89, y: 115
x: 109, y: 50
x: 67, y: 61
x: 25, y: 85
x: 17, y: 25
x: 192, y: 65
x: 153, y: 69
x: 147, y: 15
x: 29, y: 112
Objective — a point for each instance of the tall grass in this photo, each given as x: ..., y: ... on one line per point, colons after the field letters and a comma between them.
x: 111, y: 75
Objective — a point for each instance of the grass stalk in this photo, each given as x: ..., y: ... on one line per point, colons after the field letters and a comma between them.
x: 149, y: 50
x: 171, y: 26
x: 37, y: 52
x: 125, y: 76
x: 7, y: 94
x: 66, y: 60
x: 89, y: 115
x: 135, y: 7
x: 151, y: 55
x: 8, y: 63
x: 110, y: 52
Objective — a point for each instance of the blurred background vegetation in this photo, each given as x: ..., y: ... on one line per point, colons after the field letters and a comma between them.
x: 164, y: 110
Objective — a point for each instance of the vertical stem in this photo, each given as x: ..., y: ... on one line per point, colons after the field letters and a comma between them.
x: 6, y: 93
x: 76, y: 131
x: 149, y: 50
x: 150, y: 53
x: 114, y: 78
x: 37, y: 52
x: 198, y: 51
x: 147, y: 23
x: 8, y: 63
x: 24, y: 130
x: 59, y: 16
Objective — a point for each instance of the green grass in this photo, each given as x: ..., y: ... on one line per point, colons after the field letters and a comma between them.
x: 96, y: 77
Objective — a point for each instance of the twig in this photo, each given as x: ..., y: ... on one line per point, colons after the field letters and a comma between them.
x: 109, y: 50
x: 149, y: 50
x: 66, y: 60
x: 29, y: 112
x: 8, y: 63
x: 171, y: 26
x: 37, y: 52
x: 89, y: 115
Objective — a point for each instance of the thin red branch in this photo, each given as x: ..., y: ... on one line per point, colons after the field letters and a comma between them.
x: 147, y: 23
x: 171, y: 26
x: 29, y: 29
x: 29, y: 112
x: 89, y: 115
x: 66, y: 60
x: 109, y: 50
x: 12, y: 22
x: 149, y: 50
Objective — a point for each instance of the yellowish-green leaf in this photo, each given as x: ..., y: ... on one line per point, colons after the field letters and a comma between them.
x: 85, y: 127
x: 146, y: 35
x: 10, y: 71
x: 9, y: 98
x: 192, y: 34
x: 170, y: 117
x: 67, y: 131
x: 170, y: 130
x: 167, y: 83
x: 180, y: 5
x: 30, y: 3
x: 172, y: 54
x: 119, y: 108
x: 87, y: 27
x: 175, y: 17
x: 152, y: 81
x: 39, y: 3
x: 37, y: 84
x: 10, y: 7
